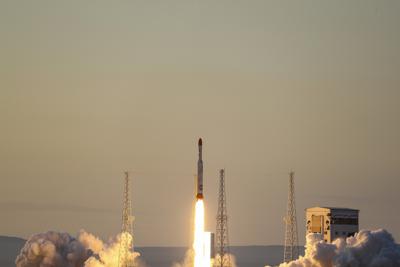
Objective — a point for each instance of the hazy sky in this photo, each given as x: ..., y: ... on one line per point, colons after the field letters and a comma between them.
x: 89, y: 89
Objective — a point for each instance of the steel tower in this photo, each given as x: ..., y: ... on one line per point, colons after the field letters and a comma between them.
x: 291, y: 251
x: 222, y: 242
x: 126, y: 243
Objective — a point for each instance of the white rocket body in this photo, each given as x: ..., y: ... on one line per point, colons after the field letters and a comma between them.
x: 199, y: 194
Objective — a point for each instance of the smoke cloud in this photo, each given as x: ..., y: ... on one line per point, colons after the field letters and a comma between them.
x: 54, y: 249
x: 366, y: 249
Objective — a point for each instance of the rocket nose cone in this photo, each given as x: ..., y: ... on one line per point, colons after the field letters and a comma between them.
x: 200, y: 142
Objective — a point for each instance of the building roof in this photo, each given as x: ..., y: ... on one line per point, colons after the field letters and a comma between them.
x: 329, y: 208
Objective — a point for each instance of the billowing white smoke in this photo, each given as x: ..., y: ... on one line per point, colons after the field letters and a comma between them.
x: 110, y: 255
x: 53, y: 249
x: 365, y: 249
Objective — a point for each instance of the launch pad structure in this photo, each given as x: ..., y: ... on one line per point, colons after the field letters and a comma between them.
x: 126, y: 243
x: 222, y: 258
x: 291, y: 250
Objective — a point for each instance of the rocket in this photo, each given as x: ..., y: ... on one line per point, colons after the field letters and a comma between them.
x: 200, y: 172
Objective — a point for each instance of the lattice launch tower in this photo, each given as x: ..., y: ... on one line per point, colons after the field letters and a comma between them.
x: 222, y: 258
x: 291, y: 251
x: 126, y: 243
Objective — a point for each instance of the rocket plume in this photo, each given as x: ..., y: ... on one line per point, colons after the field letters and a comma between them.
x: 198, y: 243
x: 199, y: 254
x: 201, y: 244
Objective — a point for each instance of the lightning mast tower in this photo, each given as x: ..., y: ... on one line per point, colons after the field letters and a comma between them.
x: 291, y: 251
x: 126, y: 245
x: 222, y: 241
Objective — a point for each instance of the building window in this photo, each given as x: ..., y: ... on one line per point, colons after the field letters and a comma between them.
x: 316, y: 223
x: 348, y: 221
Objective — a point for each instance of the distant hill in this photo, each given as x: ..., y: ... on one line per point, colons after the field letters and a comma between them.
x: 9, y: 249
x: 246, y: 256
x: 258, y: 256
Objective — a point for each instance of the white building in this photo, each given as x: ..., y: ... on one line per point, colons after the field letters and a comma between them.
x: 332, y: 223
